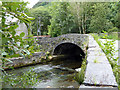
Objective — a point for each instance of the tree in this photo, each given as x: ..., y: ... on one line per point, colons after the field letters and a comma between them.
x: 82, y: 14
x: 40, y: 4
x: 117, y: 17
x: 76, y: 10
x: 99, y: 20
x: 62, y: 20
x: 45, y: 17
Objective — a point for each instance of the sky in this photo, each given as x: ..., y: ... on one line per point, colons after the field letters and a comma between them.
x: 32, y: 3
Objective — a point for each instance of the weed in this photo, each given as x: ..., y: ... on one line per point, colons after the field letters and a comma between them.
x: 81, y: 74
x: 96, y: 61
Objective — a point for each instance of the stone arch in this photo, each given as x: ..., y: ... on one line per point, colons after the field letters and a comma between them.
x: 68, y: 48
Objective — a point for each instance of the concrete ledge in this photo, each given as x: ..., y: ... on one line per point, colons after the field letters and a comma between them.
x: 83, y: 87
x: 99, y: 74
x: 98, y: 59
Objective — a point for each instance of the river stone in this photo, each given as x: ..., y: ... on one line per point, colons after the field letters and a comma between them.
x: 100, y: 74
x: 70, y: 87
x: 78, y: 69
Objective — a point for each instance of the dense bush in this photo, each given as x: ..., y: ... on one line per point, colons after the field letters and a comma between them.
x: 114, y: 29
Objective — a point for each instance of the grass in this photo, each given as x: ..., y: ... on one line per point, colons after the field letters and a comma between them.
x: 96, y: 37
x: 79, y: 77
x: 113, y: 36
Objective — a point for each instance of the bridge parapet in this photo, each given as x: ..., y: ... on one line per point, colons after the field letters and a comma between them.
x: 99, y: 74
x: 49, y: 44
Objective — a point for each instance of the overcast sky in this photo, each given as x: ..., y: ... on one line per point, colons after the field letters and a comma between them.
x: 32, y: 3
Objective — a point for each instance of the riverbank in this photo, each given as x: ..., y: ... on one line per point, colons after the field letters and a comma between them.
x: 36, y: 58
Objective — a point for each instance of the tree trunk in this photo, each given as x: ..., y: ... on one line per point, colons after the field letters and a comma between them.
x: 78, y: 16
x: 83, y: 23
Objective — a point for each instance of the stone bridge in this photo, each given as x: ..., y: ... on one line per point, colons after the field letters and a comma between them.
x: 65, y: 44
x: 98, y: 74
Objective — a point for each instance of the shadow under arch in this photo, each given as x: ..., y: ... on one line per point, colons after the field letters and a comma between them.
x: 68, y: 55
x: 69, y: 49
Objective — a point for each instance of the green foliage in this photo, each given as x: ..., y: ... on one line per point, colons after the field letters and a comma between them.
x: 77, y: 17
x: 99, y: 20
x: 23, y: 80
x: 15, y: 45
x: 117, y: 16
x: 61, y: 22
x: 40, y: 4
x: 43, y: 13
x: 81, y: 74
x: 109, y: 50
x: 110, y: 35
x: 81, y: 12
x: 96, y: 61
x: 114, y: 29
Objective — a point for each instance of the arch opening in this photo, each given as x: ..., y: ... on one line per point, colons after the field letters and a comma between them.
x: 69, y: 55
x: 68, y: 49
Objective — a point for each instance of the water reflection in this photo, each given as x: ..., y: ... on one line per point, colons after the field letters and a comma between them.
x: 68, y: 61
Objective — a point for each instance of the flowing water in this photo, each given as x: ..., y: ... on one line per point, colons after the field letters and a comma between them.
x: 59, y: 73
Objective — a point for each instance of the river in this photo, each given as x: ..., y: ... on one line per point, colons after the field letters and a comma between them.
x: 56, y: 74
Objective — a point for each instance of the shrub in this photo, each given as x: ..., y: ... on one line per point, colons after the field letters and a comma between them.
x: 114, y: 29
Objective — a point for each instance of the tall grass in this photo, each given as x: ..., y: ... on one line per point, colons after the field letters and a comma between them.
x: 79, y: 77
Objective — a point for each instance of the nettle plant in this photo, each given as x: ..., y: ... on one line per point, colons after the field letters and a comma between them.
x: 109, y: 50
x: 14, y: 45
